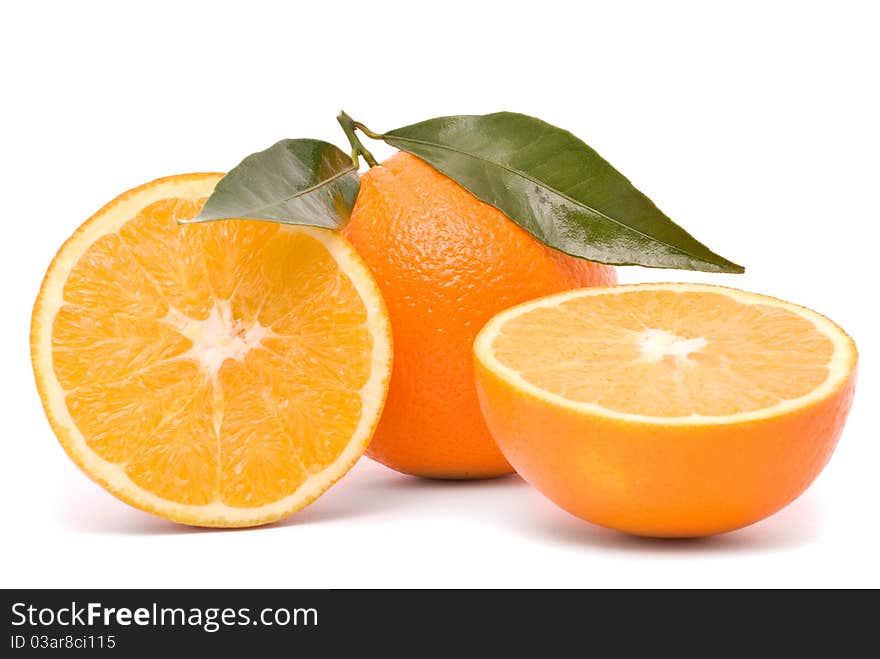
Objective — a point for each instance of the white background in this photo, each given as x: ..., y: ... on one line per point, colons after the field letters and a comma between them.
x: 755, y: 126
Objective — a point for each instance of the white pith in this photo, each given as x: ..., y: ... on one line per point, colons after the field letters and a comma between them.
x: 657, y: 344
x: 654, y: 346
x: 214, y: 339
x: 218, y: 337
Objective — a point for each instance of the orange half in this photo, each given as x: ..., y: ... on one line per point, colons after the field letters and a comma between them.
x: 218, y: 374
x: 665, y: 409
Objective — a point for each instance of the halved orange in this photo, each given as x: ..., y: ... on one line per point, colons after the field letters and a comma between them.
x: 665, y: 409
x: 219, y: 374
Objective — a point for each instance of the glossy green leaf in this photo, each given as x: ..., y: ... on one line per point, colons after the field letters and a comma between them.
x: 556, y: 187
x: 293, y: 181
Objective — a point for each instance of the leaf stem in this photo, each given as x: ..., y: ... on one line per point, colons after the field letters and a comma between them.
x: 357, y: 148
x: 366, y: 131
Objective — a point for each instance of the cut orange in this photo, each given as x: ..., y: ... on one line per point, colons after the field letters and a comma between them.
x: 220, y: 374
x: 665, y: 409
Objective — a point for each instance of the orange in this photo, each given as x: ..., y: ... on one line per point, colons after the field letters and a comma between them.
x: 665, y: 409
x: 446, y: 263
x: 220, y: 374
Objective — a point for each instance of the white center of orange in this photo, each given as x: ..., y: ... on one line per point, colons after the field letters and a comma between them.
x: 658, y: 344
x: 219, y: 336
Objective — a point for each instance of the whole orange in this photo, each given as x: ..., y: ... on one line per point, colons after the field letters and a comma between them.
x: 446, y: 263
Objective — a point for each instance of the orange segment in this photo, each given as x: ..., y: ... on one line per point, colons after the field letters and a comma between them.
x: 107, y: 277
x: 233, y: 251
x: 259, y: 448
x: 152, y: 236
x: 219, y: 374
x: 665, y: 409
x: 91, y: 348
x: 179, y: 459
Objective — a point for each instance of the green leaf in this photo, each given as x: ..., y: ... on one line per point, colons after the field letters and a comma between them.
x: 556, y: 187
x: 293, y: 181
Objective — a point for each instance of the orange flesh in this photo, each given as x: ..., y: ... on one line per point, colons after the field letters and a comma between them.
x: 205, y: 360
x: 667, y: 354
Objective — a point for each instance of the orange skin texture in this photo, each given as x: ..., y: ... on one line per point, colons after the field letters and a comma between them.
x: 663, y: 481
x: 445, y: 263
